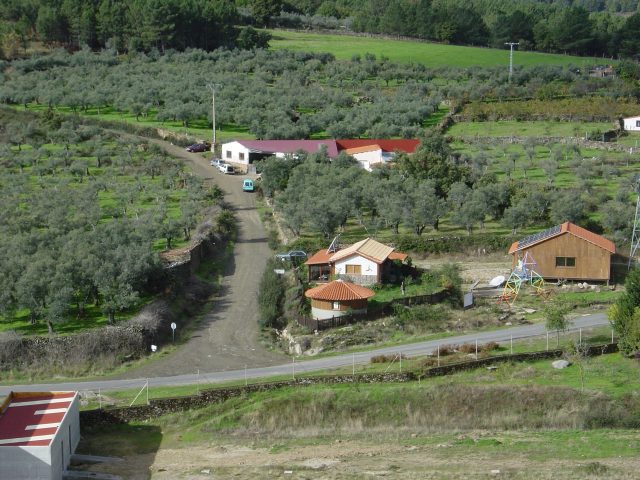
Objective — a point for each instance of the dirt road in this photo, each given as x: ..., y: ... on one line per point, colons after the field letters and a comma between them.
x: 227, y: 337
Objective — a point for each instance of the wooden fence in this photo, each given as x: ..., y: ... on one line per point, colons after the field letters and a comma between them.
x: 385, y: 310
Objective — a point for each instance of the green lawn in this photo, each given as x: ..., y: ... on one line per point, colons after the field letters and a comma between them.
x: 506, y: 128
x: 343, y: 47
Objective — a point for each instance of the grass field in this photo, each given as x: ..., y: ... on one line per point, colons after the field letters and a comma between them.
x: 506, y: 128
x: 343, y: 47
x: 524, y: 420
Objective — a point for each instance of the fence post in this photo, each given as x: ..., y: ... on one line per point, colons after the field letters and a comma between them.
x: 476, y: 348
x: 612, y: 335
x: 438, y: 354
x: 547, y: 341
x: 99, y: 399
x: 580, y: 338
x: 293, y: 371
x: 147, y: 391
x: 400, y: 354
x: 511, y: 344
x: 245, y: 375
x: 353, y: 364
x: 198, y: 383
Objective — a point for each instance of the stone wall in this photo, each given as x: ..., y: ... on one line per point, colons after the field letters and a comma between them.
x: 164, y: 406
x: 127, y: 340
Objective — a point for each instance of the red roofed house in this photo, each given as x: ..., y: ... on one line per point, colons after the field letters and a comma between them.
x: 567, y: 252
x: 364, y: 263
x: 38, y: 434
x: 243, y: 153
x: 338, y: 298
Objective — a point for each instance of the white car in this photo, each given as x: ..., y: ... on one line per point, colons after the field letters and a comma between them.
x: 215, y: 162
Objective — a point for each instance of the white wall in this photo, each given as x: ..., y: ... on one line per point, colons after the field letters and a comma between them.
x: 367, y: 159
x: 320, y: 314
x: 231, y: 153
x: 25, y: 463
x: 367, y: 267
x: 632, y: 124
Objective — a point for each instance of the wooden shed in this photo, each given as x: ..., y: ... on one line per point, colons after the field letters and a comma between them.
x: 338, y: 298
x: 567, y: 252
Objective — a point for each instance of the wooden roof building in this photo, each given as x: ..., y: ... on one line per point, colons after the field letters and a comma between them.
x: 567, y: 252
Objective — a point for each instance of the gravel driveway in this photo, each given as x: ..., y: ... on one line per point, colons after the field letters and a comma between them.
x: 227, y: 337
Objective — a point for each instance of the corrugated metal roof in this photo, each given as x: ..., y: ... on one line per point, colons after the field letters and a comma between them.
x: 290, y: 146
x: 339, y: 290
x: 566, y: 227
x: 368, y: 248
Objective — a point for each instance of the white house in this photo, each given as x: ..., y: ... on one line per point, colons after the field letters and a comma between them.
x: 364, y: 263
x: 337, y: 299
x: 39, y: 431
x: 370, y: 155
x: 632, y: 124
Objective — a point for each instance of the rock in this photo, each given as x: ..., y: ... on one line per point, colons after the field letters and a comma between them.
x: 495, y: 472
x: 530, y: 310
x: 492, y: 368
x: 560, y: 364
x: 508, y: 324
x: 288, y: 472
x: 206, y: 471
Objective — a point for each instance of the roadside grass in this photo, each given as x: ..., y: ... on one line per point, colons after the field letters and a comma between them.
x: 344, y: 47
x: 506, y: 128
x: 612, y: 374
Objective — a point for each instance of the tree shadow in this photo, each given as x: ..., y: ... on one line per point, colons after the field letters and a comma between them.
x: 135, y: 443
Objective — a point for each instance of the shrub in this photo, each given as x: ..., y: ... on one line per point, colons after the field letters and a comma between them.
x: 270, y: 297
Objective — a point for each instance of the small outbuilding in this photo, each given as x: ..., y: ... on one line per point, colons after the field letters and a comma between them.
x: 632, y: 124
x: 338, y: 298
x: 567, y: 252
x: 39, y: 431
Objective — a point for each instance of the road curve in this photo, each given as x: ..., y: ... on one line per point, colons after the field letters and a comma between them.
x: 303, y: 366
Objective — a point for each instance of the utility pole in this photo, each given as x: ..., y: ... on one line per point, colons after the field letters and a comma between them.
x: 635, y: 237
x: 511, y: 45
x: 212, y: 87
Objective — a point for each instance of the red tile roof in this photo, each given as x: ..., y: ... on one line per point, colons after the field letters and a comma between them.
x: 366, y: 148
x: 398, y: 256
x: 388, y: 145
x: 575, y: 230
x: 321, y: 257
x: 339, y: 290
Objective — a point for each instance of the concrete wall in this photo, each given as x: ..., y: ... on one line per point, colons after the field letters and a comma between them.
x: 26, y: 463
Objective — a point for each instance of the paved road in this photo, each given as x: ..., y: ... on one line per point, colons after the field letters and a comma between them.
x: 421, y: 348
x: 227, y: 335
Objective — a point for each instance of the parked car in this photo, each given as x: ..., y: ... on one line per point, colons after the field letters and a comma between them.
x: 215, y: 162
x: 198, y: 147
x: 293, y: 256
x: 247, y: 185
x: 222, y: 166
x: 228, y: 169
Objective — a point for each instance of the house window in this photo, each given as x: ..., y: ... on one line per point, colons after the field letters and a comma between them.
x: 242, y: 156
x: 228, y: 153
x: 353, y: 269
x: 565, y: 261
x: 638, y: 123
x: 336, y: 305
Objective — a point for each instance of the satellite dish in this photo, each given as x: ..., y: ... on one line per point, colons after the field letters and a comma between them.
x: 497, y: 281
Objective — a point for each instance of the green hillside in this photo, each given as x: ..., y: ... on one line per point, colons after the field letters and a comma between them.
x: 344, y: 47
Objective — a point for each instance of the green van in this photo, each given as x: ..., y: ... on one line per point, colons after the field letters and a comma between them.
x: 247, y: 185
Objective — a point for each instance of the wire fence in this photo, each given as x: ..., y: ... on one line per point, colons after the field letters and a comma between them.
x: 399, y: 361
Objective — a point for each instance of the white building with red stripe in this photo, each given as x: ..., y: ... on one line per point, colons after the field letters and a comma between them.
x: 39, y: 431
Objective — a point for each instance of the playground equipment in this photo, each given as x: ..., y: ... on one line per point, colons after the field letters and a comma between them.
x: 524, y: 273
